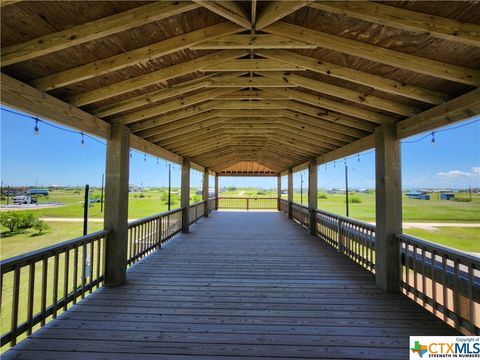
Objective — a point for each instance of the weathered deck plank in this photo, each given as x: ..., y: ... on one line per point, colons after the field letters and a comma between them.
x: 239, y: 285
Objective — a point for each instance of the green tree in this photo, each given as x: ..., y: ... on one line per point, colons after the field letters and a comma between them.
x: 41, y: 226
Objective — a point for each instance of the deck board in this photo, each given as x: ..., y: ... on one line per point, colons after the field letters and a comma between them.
x: 240, y: 285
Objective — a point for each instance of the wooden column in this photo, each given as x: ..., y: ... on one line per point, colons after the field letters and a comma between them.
x: 185, y: 194
x: 312, y: 194
x: 388, y: 207
x: 279, y: 191
x: 205, y: 191
x: 116, y: 205
x: 216, y: 192
x: 290, y: 192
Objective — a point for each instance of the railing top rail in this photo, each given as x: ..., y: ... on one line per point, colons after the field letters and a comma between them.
x: 152, y: 217
x: 20, y: 260
x: 348, y: 219
x: 301, y: 205
x: 198, y: 203
x: 442, y: 250
x: 246, y: 197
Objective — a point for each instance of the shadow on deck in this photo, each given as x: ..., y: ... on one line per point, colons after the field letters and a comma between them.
x: 239, y: 285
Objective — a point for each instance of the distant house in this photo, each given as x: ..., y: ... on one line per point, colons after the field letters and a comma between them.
x: 43, y: 192
x: 417, y: 195
x: 447, y: 196
x: 363, y: 191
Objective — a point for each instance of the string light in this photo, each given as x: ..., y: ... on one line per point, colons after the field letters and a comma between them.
x: 433, y: 138
x: 130, y: 152
x: 358, y: 157
x: 334, y: 163
x: 144, y: 157
x: 36, y: 131
x: 82, y: 142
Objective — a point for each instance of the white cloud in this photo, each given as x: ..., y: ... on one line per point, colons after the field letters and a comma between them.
x: 457, y: 173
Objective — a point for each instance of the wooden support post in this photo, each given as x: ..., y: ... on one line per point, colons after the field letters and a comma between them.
x: 312, y: 195
x: 279, y: 191
x: 185, y: 194
x: 216, y: 192
x: 388, y: 208
x: 205, y: 192
x: 116, y: 205
x: 290, y: 192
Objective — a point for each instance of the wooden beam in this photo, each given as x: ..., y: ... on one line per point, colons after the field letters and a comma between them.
x: 404, y: 19
x: 312, y: 195
x: 358, y: 77
x: 243, y: 82
x: 275, y: 10
x: 457, y: 109
x: 251, y: 105
x: 252, y: 65
x: 154, y: 77
x: 245, y: 113
x: 93, y: 30
x: 162, y: 94
x: 252, y: 42
x: 250, y: 95
x: 184, y: 130
x: 290, y: 191
x: 25, y: 98
x: 378, y: 54
x: 344, y: 93
x: 133, y: 57
x: 205, y: 189
x: 8, y: 2
x: 388, y: 200
x: 341, y: 108
x: 164, y: 108
x: 229, y: 10
x: 116, y: 206
x: 355, y: 147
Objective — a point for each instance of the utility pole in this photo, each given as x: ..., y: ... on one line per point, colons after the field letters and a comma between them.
x: 8, y: 193
x: 86, y: 204
x: 346, y: 190
x: 169, y: 186
x: 101, y: 193
x: 301, y: 188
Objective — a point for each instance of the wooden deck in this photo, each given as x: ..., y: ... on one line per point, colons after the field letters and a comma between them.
x: 240, y: 285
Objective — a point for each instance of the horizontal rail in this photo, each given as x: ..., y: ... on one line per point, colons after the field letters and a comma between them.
x: 197, y: 210
x: 37, y: 286
x: 248, y: 203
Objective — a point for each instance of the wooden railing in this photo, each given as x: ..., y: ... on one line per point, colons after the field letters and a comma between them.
x: 301, y: 214
x: 197, y: 211
x: 444, y: 281
x: 353, y: 238
x: 247, y: 203
x: 212, y: 204
x: 37, y: 286
x: 284, y: 206
x: 147, y: 234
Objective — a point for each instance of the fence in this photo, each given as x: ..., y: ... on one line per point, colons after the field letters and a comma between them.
x: 444, y: 281
x: 45, y: 282
x: 247, y: 203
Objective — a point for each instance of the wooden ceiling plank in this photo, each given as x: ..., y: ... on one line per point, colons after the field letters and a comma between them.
x: 252, y: 42
x: 252, y: 65
x: 250, y: 95
x: 132, y: 57
x: 335, y: 106
x: 251, y: 82
x: 229, y: 10
x: 93, y: 30
x: 358, y: 77
x: 404, y: 19
x: 345, y: 93
x: 153, y: 77
x: 276, y: 10
x: 162, y: 94
x: 170, y: 106
x: 378, y: 54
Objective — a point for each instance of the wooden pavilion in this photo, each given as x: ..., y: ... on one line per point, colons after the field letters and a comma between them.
x: 257, y: 88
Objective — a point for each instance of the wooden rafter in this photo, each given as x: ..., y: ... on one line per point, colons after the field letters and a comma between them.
x: 229, y: 10
x: 277, y: 10
x: 248, y: 41
x: 93, y: 30
x: 253, y: 65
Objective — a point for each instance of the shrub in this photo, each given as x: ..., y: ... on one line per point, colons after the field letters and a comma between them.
x: 461, y: 199
x: 16, y: 220
x: 322, y: 196
x: 41, y: 226
x: 354, y: 200
x: 141, y: 196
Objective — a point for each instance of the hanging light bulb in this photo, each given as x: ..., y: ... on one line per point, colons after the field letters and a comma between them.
x: 334, y: 164
x: 36, y: 131
x: 433, y: 138
x: 82, y: 142
x: 130, y: 154
x: 358, y: 157
x: 144, y: 157
x: 157, y: 160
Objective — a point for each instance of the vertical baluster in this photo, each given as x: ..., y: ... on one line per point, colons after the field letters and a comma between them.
x: 99, y: 257
x: 66, y: 265
x: 44, y: 289
x: 445, y: 287
x: 135, y: 243
x: 471, y: 303
x: 415, y: 286
x: 55, y: 285
x: 407, y: 266
x: 31, y: 297
x: 434, y: 282
x: 424, y: 277
x: 75, y: 273
x: 15, y: 301
x: 456, y: 295
x: 92, y: 264
x: 84, y: 265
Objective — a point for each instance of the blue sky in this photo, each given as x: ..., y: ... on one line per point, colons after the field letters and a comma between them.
x: 56, y: 157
